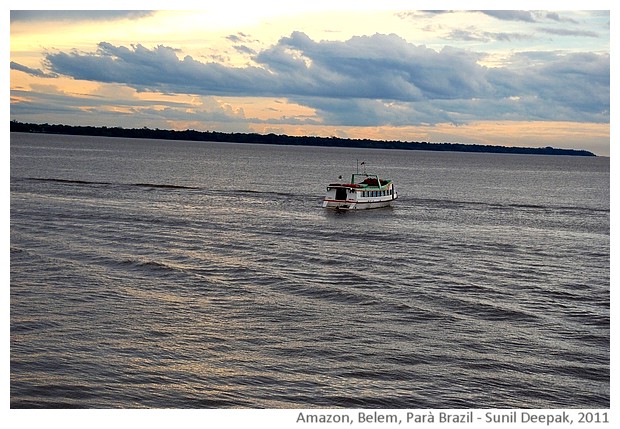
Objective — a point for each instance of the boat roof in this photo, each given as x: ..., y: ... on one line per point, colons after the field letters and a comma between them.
x: 369, y: 181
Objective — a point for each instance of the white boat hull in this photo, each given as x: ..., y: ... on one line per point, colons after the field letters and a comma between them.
x: 355, y: 205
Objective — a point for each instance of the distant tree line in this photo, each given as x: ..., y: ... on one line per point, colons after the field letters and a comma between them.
x: 280, y: 139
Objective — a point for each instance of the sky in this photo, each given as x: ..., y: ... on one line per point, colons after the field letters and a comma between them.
x: 352, y: 69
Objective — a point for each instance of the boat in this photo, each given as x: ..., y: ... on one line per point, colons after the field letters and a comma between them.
x: 364, y: 191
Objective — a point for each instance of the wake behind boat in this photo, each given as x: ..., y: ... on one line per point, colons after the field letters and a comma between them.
x: 365, y: 191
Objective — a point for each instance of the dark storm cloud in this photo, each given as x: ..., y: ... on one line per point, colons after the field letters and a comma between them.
x: 358, y: 79
x: 76, y: 15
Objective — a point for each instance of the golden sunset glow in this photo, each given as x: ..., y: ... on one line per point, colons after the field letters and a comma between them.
x: 379, y: 71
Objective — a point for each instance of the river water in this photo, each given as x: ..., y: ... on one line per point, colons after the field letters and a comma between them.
x: 168, y: 274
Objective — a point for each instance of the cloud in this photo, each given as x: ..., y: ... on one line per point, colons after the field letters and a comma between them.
x: 571, y: 86
x: 119, y: 106
x: 31, y: 71
x: 485, y: 36
x: 242, y: 49
x: 372, y: 67
x: 568, y: 32
x: 510, y: 15
x: 235, y: 38
x: 504, y: 15
x: 368, y: 112
x: 379, y: 66
x: 556, y: 17
x: 76, y: 15
x: 553, y: 15
x: 158, y: 69
x: 240, y: 37
x: 378, y: 79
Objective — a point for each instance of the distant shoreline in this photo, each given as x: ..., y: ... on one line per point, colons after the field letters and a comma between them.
x: 215, y: 136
